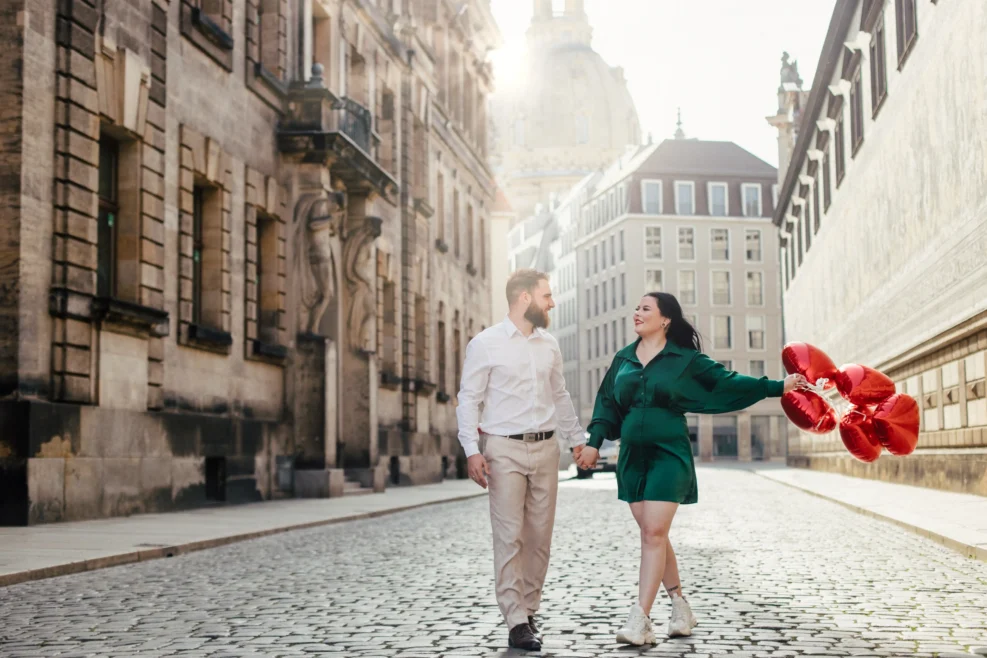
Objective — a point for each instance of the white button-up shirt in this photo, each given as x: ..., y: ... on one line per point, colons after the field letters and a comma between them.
x: 519, y: 382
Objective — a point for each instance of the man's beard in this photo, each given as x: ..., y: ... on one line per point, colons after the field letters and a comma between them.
x: 536, y: 316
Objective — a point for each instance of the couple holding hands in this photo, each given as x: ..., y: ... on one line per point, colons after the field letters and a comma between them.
x: 513, y: 371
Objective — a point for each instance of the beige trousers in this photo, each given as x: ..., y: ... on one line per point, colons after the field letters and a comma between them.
x: 523, y: 484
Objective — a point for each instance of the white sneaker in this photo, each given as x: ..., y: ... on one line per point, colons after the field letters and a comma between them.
x: 682, y: 621
x: 637, y: 630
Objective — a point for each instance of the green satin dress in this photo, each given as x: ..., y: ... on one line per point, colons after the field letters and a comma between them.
x: 645, y: 407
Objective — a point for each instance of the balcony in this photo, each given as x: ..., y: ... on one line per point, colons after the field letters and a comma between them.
x: 321, y: 127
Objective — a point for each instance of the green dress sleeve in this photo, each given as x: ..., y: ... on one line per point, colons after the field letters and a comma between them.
x: 709, y: 388
x: 606, y: 415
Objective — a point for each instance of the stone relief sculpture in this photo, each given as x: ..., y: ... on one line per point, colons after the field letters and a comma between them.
x: 360, y: 272
x: 316, y: 223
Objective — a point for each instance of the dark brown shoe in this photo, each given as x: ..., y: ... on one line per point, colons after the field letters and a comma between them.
x: 534, y: 628
x: 521, y: 637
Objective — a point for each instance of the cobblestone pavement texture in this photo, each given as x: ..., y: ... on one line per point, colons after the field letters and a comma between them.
x: 770, y: 572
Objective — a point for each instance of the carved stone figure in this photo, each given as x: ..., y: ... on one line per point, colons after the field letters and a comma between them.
x: 360, y: 271
x: 315, y: 224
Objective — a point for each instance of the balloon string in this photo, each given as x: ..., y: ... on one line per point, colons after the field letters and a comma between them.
x: 837, y: 401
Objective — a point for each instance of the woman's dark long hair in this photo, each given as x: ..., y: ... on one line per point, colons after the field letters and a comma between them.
x: 679, y: 330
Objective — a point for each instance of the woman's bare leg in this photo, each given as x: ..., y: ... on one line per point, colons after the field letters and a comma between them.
x: 654, y: 518
x: 671, y: 581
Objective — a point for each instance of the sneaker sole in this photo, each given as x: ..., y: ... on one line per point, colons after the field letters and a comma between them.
x: 647, y: 639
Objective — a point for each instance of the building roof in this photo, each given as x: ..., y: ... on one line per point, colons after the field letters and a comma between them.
x: 695, y: 156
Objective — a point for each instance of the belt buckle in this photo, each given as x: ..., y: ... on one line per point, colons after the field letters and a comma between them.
x: 530, y: 437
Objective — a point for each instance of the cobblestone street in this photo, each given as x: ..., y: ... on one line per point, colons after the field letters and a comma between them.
x: 770, y: 571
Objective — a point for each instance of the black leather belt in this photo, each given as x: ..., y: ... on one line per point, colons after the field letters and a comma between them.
x: 529, y: 437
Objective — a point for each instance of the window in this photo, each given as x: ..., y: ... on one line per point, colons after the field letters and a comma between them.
x: 752, y: 199
x: 389, y: 348
x: 604, y: 288
x: 755, y: 332
x: 878, y: 67
x: 815, y: 205
x: 589, y: 343
x: 589, y: 381
x: 652, y: 243
x: 687, y: 244
x: 589, y: 306
x: 621, y: 246
x: 719, y: 247
x: 687, y: 287
x: 827, y: 183
x: 582, y: 129
x: 440, y: 351
x: 596, y: 336
x: 455, y: 222
x: 685, y: 201
x: 613, y: 250
x: 757, y: 368
x: 906, y: 27
x: 718, y: 199
x: 722, y: 332
x: 613, y: 332
x: 651, y: 197
x: 755, y: 289
x: 199, y: 194
x: 690, y: 318
x: 752, y: 245
x: 653, y: 280
x: 586, y: 253
x: 721, y: 287
x: 798, y: 238
x: 840, y: 149
x: 603, y: 255
x: 109, y: 166
x: 856, y: 111
x: 613, y: 292
x: 596, y: 299
x: 606, y: 339
x: 440, y: 207
x: 623, y: 289
x: 623, y: 332
x: 596, y: 258
x: 807, y: 223
x: 268, y: 306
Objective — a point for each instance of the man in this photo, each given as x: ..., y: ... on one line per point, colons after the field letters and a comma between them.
x: 514, y: 370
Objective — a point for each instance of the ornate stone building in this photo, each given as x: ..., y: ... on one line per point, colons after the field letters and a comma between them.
x: 243, y: 245
x: 883, y: 226
x: 566, y: 115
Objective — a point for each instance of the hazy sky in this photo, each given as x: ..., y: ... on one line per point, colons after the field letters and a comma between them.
x: 716, y: 59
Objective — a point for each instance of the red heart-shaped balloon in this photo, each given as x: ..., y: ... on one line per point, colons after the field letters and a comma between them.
x: 809, y: 361
x: 858, y: 434
x: 809, y: 411
x: 863, y: 385
x: 896, y: 424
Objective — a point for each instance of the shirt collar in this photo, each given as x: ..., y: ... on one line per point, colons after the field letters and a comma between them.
x: 630, y: 352
x: 510, y: 328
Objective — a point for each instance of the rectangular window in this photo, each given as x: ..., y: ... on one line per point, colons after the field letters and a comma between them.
x: 623, y: 332
x: 718, y: 200
x: 603, y: 255
x: 906, y: 27
x: 755, y: 289
x: 721, y: 287
x: 587, y: 268
x: 719, y: 246
x: 613, y: 332
x: 198, y: 247
x: 878, y: 67
x: 455, y: 222
x: 651, y: 197
x: 827, y: 182
x: 840, y: 149
x: 856, y: 111
x: 652, y: 243
x: 606, y: 339
x: 596, y: 336
x: 752, y: 245
x: 815, y: 205
x: 755, y: 332
x: 613, y: 250
x: 685, y: 198
x: 589, y: 343
x: 621, y: 246
x: 604, y: 295
x: 623, y: 289
x: 752, y: 200
x: 757, y: 368
x: 109, y: 167
x: 687, y: 287
x: 653, y: 280
x: 596, y: 299
x: 799, y: 239
x: 687, y: 244
x: 722, y: 332
x: 807, y: 223
x: 440, y: 352
x: 268, y: 306
x: 613, y: 291
x: 589, y: 305
x: 440, y: 207
x: 589, y: 381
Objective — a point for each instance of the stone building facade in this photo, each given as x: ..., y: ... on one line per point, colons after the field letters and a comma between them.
x: 685, y: 216
x: 883, y: 222
x: 224, y: 272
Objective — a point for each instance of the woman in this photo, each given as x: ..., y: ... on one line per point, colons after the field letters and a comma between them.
x: 650, y: 386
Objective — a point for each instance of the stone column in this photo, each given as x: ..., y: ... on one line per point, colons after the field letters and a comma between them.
x: 744, y: 436
x: 705, y: 438
x: 357, y: 354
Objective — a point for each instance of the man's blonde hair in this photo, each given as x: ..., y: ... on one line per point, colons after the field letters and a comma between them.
x: 523, y: 280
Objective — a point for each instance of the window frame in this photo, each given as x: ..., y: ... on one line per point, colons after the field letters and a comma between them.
x: 760, y: 245
x: 729, y: 319
x: 692, y: 197
x: 906, y: 43
x: 747, y: 299
x: 760, y: 198
x: 728, y: 258
x: 726, y: 198
x: 661, y: 244
x: 712, y: 288
x: 678, y: 234
x: 661, y: 274
x: 695, y: 288
x: 763, y: 330
x: 644, y: 196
